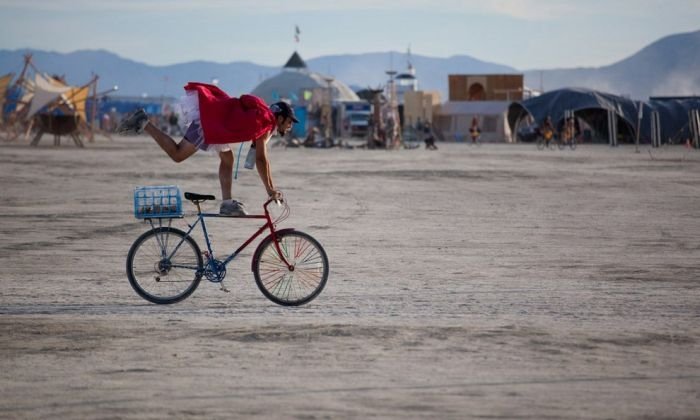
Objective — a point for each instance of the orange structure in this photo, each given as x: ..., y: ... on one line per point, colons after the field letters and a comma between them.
x: 486, y: 87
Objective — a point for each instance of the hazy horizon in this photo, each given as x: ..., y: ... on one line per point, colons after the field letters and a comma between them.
x: 524, y: 34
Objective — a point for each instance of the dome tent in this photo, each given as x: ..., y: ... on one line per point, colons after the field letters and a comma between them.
x: 592, y: 107
x: 589, y: 105
x: 674, y: 116
x: 296, y: 81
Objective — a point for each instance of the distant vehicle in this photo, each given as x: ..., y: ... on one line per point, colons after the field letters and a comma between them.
x: 355, y: 118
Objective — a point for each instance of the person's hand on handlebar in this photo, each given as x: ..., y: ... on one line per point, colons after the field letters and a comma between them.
x: 275, y: 195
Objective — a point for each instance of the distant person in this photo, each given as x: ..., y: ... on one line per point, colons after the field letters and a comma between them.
x: 475, y: 131
x: 428, y: 136
x: 391, y: 132
x: 569, y: 132
x: 547, y: 130
x: 310, y: 140
x: 173, y: 123
x: 216, y: 122
x: 106, y: 123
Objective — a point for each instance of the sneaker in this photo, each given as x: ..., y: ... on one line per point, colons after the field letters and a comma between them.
x: 232, y: 208
x: 134, y: 123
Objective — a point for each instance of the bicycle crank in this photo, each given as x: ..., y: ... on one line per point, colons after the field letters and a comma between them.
x: 215, y: 271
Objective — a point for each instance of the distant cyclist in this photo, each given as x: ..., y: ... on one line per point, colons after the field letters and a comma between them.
x: 569, y: 133
x: 216, y: 122
x: 547, y: 131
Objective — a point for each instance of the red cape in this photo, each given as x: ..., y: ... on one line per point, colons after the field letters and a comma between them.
x: 231, y: 120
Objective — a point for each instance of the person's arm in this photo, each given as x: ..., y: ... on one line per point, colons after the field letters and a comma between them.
x: 262, y: 162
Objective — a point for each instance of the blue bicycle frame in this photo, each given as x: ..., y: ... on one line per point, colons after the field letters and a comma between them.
x: 200, y: 218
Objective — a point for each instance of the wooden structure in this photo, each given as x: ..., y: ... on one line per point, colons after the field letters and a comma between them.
x: 486, y: 87
x: 58, y: 125
x: 420, y: 106
x: 49, y: 106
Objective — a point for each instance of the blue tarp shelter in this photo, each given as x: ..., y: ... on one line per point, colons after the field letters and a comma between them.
x: 592, y: 107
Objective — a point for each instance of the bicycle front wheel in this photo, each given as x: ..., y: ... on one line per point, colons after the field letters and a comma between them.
x: 164, y: 265
x: 277, y: 282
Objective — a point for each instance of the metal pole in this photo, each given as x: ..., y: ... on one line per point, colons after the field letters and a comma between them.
x: 655, y: 129
x: 612, y: 128
x: 639, y: 124
x: 658, y: 130
x: 609, y: 129
x: 695, y: 125
x: 691, y: 123
x: 95, y: 120
x: 568, y: 114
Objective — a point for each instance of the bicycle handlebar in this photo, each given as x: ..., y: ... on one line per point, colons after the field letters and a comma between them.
x: 279, y: 201
x: 284, y: 213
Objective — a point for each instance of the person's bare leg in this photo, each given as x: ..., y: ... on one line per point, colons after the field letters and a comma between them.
x: 177, y: 151
x: 226, y: 173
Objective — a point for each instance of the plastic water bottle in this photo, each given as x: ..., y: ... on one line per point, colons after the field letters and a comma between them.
x: 250, y: 158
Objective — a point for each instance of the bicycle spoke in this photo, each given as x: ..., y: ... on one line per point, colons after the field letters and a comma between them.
x: 279, y: 264
x: 273, y: 274
x: 302, y: 249
x: 309, y: 281
x: 274, y: 283
x: 162, y: 277
x: 308, y: 258
x: 297, y: 286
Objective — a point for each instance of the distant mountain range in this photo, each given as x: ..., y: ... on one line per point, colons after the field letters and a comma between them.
x: 669, y: 66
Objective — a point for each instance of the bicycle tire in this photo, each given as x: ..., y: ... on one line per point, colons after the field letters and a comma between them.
x: 274, y: 279
x: 147, y: 258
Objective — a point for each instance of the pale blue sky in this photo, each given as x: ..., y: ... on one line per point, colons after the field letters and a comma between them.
x: 524, y: 34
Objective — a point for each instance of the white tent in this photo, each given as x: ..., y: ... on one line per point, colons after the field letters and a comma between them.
x: 454, y: 120
x: 45, y: 92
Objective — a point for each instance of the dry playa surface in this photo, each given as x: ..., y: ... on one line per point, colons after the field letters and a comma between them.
x: 470, y: 282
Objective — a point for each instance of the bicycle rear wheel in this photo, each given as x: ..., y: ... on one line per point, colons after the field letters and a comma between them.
x: 277, y: 282
x: 164, y: 265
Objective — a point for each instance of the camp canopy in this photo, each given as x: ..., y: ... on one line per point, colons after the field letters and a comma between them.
x: 593, y: 106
